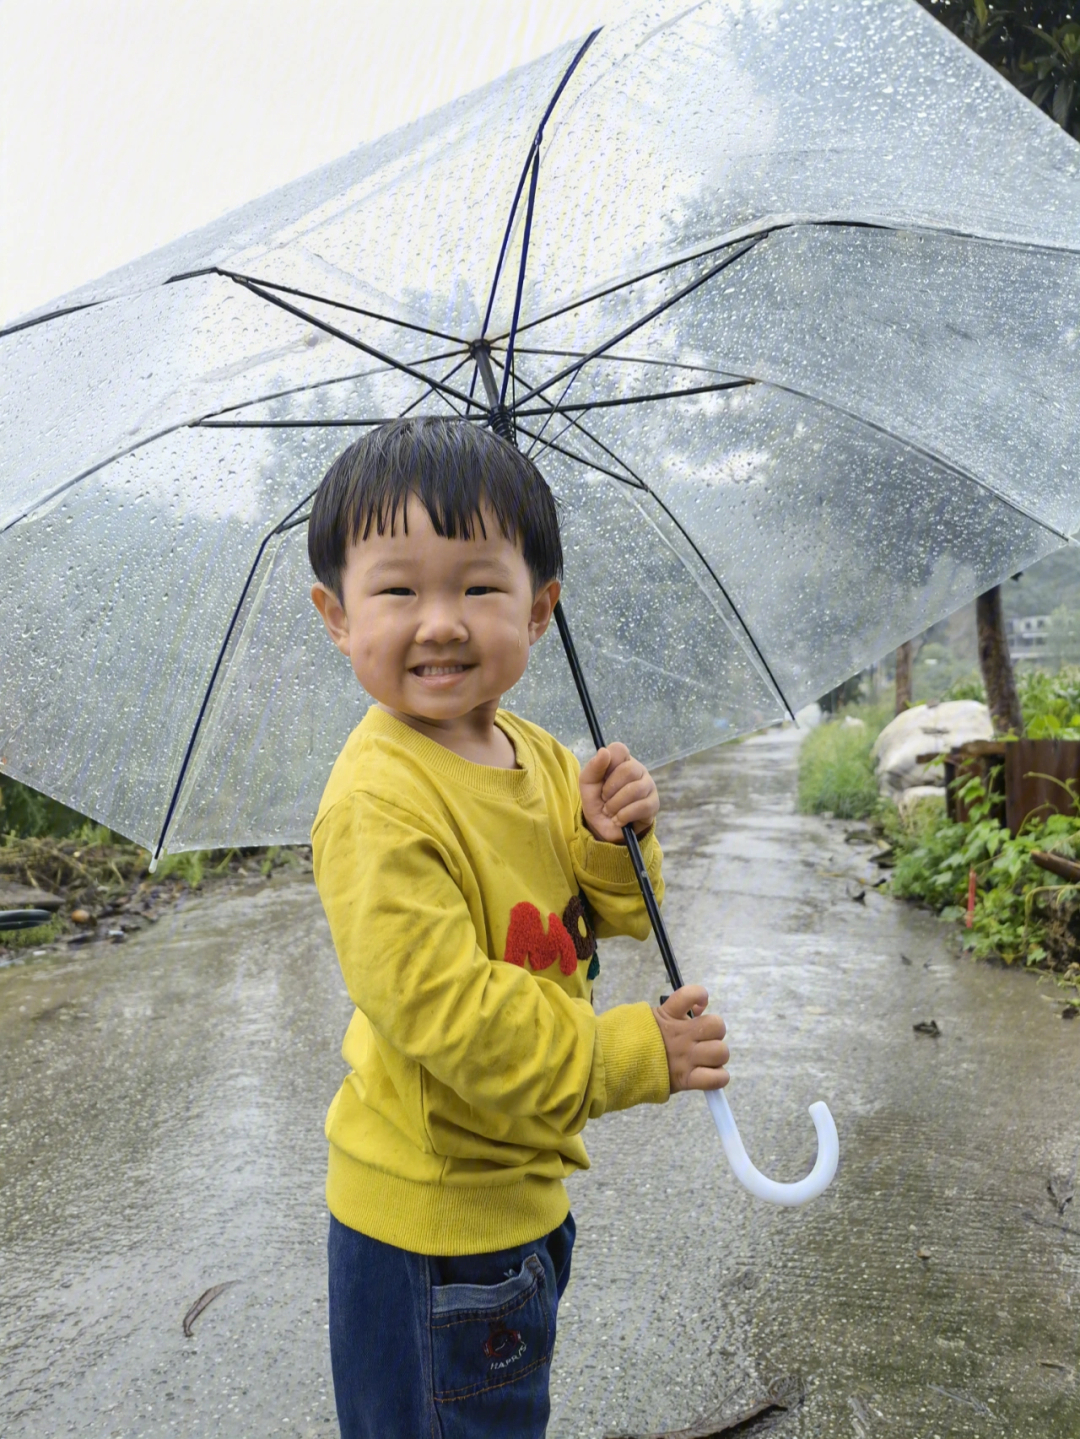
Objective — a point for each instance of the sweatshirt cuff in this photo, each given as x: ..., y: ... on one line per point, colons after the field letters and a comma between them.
x: 634, y: 1057
x: 610, y: 863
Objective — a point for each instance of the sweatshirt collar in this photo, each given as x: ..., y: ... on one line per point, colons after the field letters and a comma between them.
x: 485, y: 779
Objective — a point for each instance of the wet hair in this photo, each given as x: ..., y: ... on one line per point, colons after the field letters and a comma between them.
x: 457, y: 469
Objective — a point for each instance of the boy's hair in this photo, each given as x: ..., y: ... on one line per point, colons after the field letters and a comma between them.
x: 454, y: 468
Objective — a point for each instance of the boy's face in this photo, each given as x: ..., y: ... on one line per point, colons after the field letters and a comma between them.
x: 434, y: 628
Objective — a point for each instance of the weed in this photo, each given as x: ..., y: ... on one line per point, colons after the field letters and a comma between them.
x: 28, y: 938
x: 1051, y: 704
x: 1015, y: 904
x: 836, y: 770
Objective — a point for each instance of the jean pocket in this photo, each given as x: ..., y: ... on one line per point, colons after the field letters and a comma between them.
x: 487, y: 1336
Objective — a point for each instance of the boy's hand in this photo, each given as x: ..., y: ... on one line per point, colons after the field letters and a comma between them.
x: 696, y: 1052
x: 617, y: 789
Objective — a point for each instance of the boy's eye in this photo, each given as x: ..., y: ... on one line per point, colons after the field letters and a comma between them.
x: 396, y: 590
x: 480, y: 590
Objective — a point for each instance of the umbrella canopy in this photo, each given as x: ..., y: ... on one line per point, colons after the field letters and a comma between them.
x: 781, y: 297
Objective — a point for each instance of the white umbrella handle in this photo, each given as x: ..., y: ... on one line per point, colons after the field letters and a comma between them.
x: 819, y: 1178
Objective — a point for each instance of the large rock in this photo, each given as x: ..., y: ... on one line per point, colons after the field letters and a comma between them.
x: 925, y: 729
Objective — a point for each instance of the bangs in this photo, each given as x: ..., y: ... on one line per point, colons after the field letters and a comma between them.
x: 457, y: 470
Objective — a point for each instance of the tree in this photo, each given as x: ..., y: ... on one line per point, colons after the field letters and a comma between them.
x: 1033, y: 43
x: 996, y: 665
x: 1036, y: 45
x: 904, y: 658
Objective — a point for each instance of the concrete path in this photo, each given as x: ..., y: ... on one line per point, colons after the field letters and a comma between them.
x: 160, y: 1133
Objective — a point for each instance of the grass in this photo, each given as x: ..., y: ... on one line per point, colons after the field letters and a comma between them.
x: 836, y: 770
x: 96, y: 871
x: 30, y: 938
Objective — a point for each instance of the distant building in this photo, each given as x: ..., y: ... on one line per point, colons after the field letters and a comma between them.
x: 1028, y: 637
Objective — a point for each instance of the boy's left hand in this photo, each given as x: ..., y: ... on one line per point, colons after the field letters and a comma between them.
x: 617, y: 789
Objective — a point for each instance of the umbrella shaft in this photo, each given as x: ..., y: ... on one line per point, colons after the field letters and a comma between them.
x: 641, y: 874
x: 502, y: 425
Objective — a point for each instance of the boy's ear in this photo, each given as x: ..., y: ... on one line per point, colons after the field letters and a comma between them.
x: 543, y: 607
x: 333, y: 615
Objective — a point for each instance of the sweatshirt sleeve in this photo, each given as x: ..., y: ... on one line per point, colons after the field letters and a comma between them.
x: 501, y: 1037
x: 606, y: 875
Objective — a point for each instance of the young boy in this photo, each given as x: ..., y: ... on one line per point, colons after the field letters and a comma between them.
x: 465, y: 867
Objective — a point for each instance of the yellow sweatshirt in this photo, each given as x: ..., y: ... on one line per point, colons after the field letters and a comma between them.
x: 453, y: 895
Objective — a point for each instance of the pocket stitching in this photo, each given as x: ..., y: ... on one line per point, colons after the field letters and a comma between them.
x: 470, y: 1316
x: 531, y: 1264
x: 450, y: 1396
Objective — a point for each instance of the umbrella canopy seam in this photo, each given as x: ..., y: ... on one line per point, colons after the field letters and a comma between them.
x: 537, y: 139
x: 763, y: 229
x: 757, y: 653
x: 445, y: 390
x: 290, y: 521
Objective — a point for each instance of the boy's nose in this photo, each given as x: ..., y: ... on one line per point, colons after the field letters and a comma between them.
x: 441, y: 624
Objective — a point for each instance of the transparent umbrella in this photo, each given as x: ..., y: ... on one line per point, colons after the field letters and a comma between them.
x: 781, y: 297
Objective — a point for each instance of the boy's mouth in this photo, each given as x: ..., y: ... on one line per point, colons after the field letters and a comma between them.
x: 433, y: 671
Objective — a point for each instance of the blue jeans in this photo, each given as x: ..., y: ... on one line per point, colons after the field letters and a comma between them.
x: 432, y: 1348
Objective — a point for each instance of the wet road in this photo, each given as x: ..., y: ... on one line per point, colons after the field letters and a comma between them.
x: 160, y: 1133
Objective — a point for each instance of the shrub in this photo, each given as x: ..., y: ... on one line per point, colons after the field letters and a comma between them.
x: 28, y: 814
x: 1051, y: 704
x: 934, y: 863
x: 836, y: 771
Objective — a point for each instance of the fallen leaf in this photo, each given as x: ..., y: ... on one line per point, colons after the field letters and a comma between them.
x: 1061, y: 1190
x: 205, y: 1298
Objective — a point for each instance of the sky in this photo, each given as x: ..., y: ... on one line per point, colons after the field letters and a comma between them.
x: 124, y: 123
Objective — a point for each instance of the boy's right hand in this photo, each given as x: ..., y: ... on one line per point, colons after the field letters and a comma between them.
x: 696, y: 1052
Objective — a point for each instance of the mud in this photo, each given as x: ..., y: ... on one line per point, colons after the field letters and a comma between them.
x: 160, y: 1135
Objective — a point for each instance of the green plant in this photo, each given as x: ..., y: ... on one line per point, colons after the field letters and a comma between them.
x: 27, y: 813
x: 28, y: 938
x: 967, y: 687
x: 189, y: 865
x: 1033, y: 43
x: 1051, y: 704
x: 1008, y: 919
x: 836, y: 771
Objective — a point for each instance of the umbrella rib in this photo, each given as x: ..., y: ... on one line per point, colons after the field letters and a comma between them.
x: 348, y: 339
x: 562, y: 408
x: 289, y: 522
x: 657, y: 363
x: 622, y: 285
x: 368, y: 422
x: 641, y: 321
x: 717, y: 581
x: 430, y: 389
x: 293, y: 519
x: 323, y: 385
x: 534, y: 147
x: 203, y: 424
x: 214, y: 422
x: 526, y: 237
x: 59, y: 489
x: 631, y: 484
x: 763, y: 230
x: 336, y: 304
